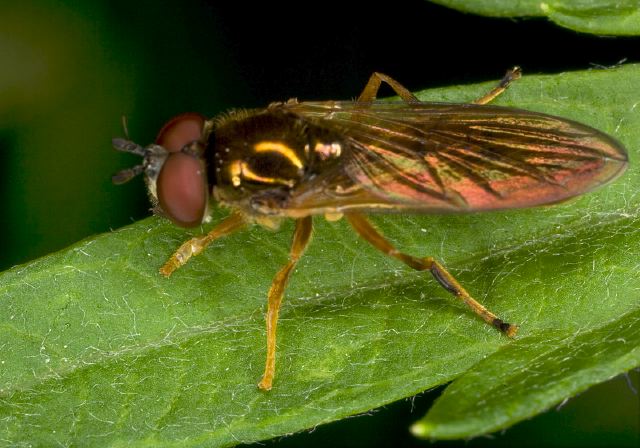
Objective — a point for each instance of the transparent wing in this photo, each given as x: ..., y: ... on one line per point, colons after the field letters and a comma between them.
x: 453, y: 157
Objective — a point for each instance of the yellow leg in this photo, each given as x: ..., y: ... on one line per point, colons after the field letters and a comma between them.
x: 301, y: 238
x: 370, y: 91
x: 366, y: 230
x: 508, y: 78
x: 194, y: 246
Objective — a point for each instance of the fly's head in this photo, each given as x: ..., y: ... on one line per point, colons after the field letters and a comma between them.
x: 174, y: 168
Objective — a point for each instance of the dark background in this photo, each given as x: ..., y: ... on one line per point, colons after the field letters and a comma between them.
x: 71, y: 69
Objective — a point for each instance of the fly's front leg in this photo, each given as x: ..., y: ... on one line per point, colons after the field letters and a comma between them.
x: 370, y: 91
x: 196, y: 245
x: 509, y: 77
x: 301, y: 238
x: 366, y: 230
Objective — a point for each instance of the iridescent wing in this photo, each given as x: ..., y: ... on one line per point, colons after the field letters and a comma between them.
x: 437, y: 157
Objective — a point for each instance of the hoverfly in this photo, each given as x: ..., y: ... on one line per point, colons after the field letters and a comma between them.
x: 349, y: 158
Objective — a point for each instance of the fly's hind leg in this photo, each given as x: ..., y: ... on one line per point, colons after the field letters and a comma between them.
x: 511, y: 75
x: 366, y: 230
x: 194, y: 246
x: 301, y: 238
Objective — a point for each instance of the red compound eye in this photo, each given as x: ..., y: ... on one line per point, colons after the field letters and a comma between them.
x: 180, y: 131
x: 182, y: 182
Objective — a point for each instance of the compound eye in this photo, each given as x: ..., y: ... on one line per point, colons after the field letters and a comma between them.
x: 182, y: 182
x: 182, y: 189
x: 180, y: 131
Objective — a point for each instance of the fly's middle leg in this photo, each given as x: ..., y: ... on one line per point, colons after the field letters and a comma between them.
x: 370, y: 91
x: 301, y: 238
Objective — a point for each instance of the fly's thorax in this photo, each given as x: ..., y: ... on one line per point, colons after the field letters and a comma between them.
x: 264, y: 155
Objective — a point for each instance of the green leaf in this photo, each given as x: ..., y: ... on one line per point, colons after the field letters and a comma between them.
x: 99, y: 350
x: 609, y: 17
x: 532, y: 375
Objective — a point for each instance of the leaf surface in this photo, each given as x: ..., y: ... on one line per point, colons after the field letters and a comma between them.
x: 608, y: 17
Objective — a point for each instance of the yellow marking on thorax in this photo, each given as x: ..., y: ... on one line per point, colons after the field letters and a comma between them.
x: 240, y: 170
x: 282, y: 149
